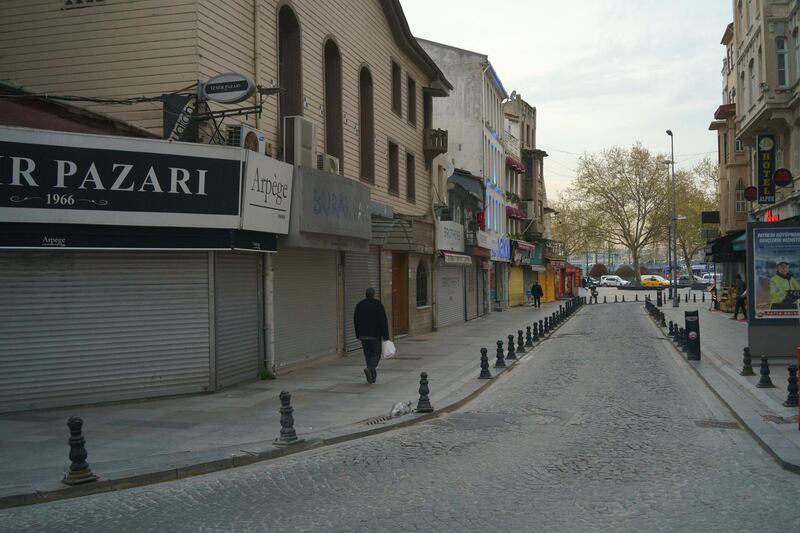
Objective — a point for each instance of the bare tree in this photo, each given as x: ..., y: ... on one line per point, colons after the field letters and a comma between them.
x: 624, y: 192
x: 695, y: 197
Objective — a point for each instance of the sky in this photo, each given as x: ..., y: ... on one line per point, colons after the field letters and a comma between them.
x: 601, y: 73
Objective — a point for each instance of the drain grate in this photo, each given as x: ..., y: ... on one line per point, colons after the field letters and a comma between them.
x: 775, y: 419
x: 718, y: 424
x: 378, y: 420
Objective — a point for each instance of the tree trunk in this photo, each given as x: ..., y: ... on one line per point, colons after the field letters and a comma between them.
x: 636, y: 272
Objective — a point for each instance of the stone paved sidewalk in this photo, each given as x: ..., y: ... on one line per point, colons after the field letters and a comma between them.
x: 142, y: 442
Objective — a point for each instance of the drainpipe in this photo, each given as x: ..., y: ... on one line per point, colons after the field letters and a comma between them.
x: 257, y: 54
x: 434, y: 272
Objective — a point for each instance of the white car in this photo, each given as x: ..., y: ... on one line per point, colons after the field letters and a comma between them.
x: 613, y: 281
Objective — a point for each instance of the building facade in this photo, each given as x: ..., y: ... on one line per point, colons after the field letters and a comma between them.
x: 350, y: 111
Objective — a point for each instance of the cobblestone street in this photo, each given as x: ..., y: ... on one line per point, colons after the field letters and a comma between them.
x: 603, y: 427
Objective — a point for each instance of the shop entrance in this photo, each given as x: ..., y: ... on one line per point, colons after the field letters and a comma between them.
x: 399, y: 294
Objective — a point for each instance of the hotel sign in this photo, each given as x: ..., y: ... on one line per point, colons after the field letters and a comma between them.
x: 765, y: 169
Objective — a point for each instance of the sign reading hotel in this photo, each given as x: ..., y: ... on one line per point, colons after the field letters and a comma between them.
x: 267, y: 194
x: 765, y: 169
x: 68, y: 178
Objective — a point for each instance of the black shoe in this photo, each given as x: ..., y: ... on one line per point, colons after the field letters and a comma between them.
x: 374, y: 375
x: 369, y: 375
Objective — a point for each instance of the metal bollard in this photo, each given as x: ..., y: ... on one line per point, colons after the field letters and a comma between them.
x: 686, y: 298
x: 671, y: 331
x: 535, y: 332
x: 765, y: 382
x: 694, y: 297
x: 615, y: 298
x: 424, y: 403
x: 485, y: 374
x: 501, y: 360
x: 747, y: 363
x: 703, y: 297
x: 79, y: 471
x: 663, y: 322
x: 511, y: 356
x: 542, y: 331
x: 288, y: 435
x: 637, y: 297
x: 791, y: 399
x: 604, y: 299
x: 520, y: 342
x: 623, y: 298
x: 692, y: 319
x: 528, y: 338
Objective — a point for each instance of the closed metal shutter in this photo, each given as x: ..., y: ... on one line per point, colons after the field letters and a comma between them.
x: 482, y: 283
x: 450, y: 294
x: 305, y: 305
x: 515, y: 289
x: 84, y: 327
x: 237, y: 317
x: 472, y: 290
x: 361, y: 270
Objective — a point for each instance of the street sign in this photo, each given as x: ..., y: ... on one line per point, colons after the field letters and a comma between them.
x: 782, y: 177
x: 229, y: 88
x: 751, y: 194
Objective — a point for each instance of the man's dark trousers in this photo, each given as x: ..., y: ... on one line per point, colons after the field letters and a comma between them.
x: 372, y: 354
x: 537, y: 301
x: 739, y: 305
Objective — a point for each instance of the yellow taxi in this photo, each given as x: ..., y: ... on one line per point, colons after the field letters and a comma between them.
x: 651, y: 280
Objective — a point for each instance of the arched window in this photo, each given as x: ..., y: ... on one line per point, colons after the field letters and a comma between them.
x: 366, y: 125
x: 782, y: 49
x: 753, y: 84
x: 740, y: 197
x: 290, y: 69
x: 333, y: 101
x: 422, y: 284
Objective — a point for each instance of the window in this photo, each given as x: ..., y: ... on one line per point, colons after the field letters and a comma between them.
x: 72, y: 4
x: 738, y: 146
x: 740, y: 197
x: 397, y: 106
x: 412, y: 102
x: 753, y: 86
x: 744, y: 91
x: 333, y: 101
x: 394, y: 168
x: 411, y: 178
x: 422, y: 284
x: 366, y: 126
x: 750, y: 15
x: 797, y: 54
x: 290, y: 101
x: 725, y: 146
x: 427, y: 111
x: 783, y: 61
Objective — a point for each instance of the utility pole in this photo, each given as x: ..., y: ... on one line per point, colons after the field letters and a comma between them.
x: 673, y: 274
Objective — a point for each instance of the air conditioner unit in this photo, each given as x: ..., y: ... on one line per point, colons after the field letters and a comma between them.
x: 299, y: 138
x: 328, y: 163
x: 247, y: 137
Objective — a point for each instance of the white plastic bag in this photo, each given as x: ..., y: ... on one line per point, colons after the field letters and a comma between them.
x: 387, y: 349
x: 400, y: 409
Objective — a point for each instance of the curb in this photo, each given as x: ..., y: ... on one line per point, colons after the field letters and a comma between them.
x: 765, y: 436
x: 248, y: 458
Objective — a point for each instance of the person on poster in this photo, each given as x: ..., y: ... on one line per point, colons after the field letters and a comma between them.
x: 784, y: 289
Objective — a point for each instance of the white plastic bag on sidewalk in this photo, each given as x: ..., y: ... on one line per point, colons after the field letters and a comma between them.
x: 387, y: 349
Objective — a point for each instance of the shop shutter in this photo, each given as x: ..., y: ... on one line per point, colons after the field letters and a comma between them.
x: 472, y: 290
x: 482, y: 282
x: 515, y: 289
x: 85, y: 327
x: 237, y: 317
x: 361, y: 270
x: 304, y: 285
x: 450, y: 294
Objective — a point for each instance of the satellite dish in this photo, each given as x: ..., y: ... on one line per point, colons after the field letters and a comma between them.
x: 451, y: 168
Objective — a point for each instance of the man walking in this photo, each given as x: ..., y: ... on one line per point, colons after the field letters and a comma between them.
x: 372, y: 328
x: 537, y: 293
x: 741, y: 292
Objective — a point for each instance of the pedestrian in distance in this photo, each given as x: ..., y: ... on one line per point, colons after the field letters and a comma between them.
x: 741, y: 293
x: 372, y: 328
x: 784, y: 289
x: 537, y: 293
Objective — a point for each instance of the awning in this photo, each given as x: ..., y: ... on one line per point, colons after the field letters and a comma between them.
x: 513, y: 212
x: 471, y: 184
x: 722, y: 248
x: 523, y: 245
x: 739, y: 244
x: 451, y: 258
x: 514, y: 164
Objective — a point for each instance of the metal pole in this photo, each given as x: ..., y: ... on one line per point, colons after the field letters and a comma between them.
x: 673, y: 276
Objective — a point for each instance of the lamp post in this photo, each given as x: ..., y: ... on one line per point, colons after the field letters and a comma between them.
x: 673, y: 276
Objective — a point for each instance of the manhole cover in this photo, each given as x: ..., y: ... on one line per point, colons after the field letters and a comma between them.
x: 718, y: 424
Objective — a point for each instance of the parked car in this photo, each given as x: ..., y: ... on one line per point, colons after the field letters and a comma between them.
x: 652, y: 280
x: 710, y: 277
x: 613, y: 281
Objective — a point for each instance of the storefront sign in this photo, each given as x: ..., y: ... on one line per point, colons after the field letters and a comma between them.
x: 68, y: 178
x: 486, y: 240
x: 229, y: 88
x: 267, y: 194
x: 330, y: 205
x: 775, y: 263
x: 765, y: 168
x: 503, y: 251
x: 449, y: 236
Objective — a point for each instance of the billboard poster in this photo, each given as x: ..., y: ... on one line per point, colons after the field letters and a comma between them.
x: 774, y: 255
x: 765, y: 169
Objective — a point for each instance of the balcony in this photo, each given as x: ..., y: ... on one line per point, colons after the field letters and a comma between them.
x: 434, y: 142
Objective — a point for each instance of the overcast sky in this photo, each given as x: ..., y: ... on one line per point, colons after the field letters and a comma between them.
x: 600, y: 72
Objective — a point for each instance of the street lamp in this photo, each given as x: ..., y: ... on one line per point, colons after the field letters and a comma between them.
x: 673, y: 275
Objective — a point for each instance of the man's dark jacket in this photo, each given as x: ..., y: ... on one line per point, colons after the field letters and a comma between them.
x: 536, y: 290
x: 370, y: 319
